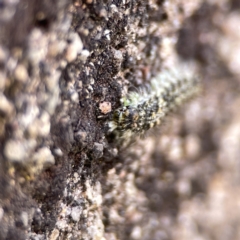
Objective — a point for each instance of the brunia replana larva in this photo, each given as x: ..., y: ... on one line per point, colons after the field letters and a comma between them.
x: 147, y: 107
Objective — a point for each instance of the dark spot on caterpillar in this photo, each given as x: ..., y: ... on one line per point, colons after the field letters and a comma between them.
x: 143, y: 110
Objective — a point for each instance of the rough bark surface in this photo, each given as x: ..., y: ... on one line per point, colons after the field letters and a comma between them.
x: 64, y: 66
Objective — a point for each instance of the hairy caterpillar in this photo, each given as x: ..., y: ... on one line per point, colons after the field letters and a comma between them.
x: 145, y: 109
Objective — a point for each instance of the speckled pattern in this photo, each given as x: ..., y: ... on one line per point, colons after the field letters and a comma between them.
x: 147, y: 108
x: 64, y: 68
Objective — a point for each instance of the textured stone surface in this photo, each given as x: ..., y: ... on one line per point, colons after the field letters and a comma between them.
x: 61, y: 177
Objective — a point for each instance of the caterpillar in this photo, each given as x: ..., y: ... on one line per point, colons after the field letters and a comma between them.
x: 148, y: 107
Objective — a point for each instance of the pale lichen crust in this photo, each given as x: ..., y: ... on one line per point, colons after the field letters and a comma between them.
x: 148, y: 107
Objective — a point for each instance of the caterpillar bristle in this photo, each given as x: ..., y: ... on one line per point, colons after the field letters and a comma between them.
x: 147, y: 108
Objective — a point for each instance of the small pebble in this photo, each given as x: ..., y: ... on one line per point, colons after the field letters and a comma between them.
x: 54, y: 235
x: 1, y: 213
x: 6, y: 107
x: 24, y: 218
x: 15, y: 150
x: 43, y: 157
x: 97, y: 150
x: 84, y: 55
x: 21, y: 73
x: 61, y: 224
x: 74, y: 48
x: 81, y: 137
x: 76, y: 213
x: 105, y: 107
x: 58, y: 152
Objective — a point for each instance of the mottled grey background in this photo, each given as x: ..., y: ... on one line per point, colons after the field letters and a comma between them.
x: 61, y: 177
